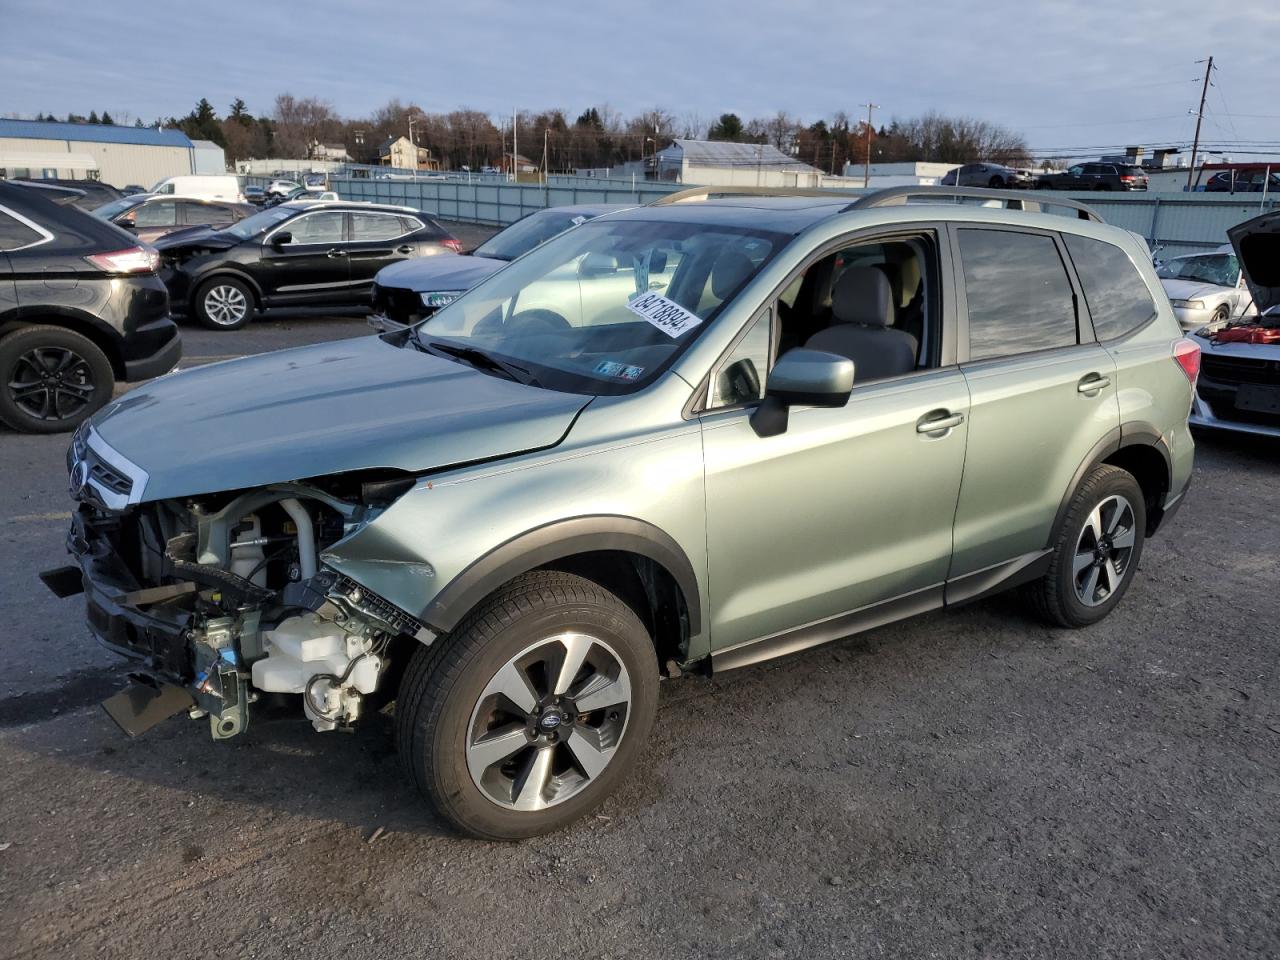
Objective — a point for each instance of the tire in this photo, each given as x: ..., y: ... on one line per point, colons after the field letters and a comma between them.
x: 1220, y: 316
x: 1105, y: 525
x: 995, y: 183
x: 51, y: 379
x: 534, y: 777
x: 223, y: 303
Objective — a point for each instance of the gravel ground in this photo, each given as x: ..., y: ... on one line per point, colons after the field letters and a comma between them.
x: 962, y: 785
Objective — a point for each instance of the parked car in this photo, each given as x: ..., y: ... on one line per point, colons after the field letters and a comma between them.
x: 524, y: 518
x: 1244, y: 181
x: 89, y: 194
x: 202, y: 186
x: 255, y: 195
x: 995, y: 175
x: 81, y: 307
x: 1239, y: 386
x: 280, y: 188
x: 1095, y: 176
x: 405, y: 293
x: 315, y: 182
x: 1206, y: 289
x: 151, y: 216
x: 131, y: 189
x: 296, y: 254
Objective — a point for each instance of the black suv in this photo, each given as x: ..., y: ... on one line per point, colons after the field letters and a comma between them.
x: 1095, y: 176
x: 300, y: 253
x: 81, y: 306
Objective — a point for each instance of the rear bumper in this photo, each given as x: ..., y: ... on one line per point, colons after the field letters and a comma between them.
x: 1202, y: 415
x: 161, y: 361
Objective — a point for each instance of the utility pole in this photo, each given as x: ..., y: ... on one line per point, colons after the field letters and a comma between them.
x: 866, y: 170
x: 1195, y: 144
x: 515, y: 169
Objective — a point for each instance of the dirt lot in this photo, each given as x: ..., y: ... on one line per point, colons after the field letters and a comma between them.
x: 970, y: 784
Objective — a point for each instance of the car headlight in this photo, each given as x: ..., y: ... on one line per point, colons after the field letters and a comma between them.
x: 1189, y: 304
x: 440, y: 298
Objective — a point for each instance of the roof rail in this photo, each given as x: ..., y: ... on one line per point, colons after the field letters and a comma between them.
x: 707, y: 193
x: 1013, y: 199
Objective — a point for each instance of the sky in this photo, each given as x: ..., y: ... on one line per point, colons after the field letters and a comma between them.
x: 1088, y: 73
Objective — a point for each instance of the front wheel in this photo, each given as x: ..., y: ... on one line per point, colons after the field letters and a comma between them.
x: 224, y: 303
x: 995, y: 183
x: 1097, y: 551
x: 532, y: 711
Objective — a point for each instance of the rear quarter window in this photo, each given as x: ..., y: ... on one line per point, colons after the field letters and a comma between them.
x: 1114, y: 290
x: 14, y: 233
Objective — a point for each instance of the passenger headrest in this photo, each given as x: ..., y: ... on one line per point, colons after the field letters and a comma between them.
x: 729, y: 270
x: 863, y: 295
x: 909, y: 272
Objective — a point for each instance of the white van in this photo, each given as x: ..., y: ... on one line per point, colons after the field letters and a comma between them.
x: 202, y: 187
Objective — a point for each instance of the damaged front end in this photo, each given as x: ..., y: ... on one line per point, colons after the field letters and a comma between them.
x: 223, y: 596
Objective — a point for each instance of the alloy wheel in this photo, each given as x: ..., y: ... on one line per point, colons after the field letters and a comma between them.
x: 52, y: 383
x: 1103, y: 550
x: 225, y: 304
x: 549, y: 722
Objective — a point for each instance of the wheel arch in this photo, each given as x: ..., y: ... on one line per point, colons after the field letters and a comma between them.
x: 1137, y: 448
x: 102, y: 337
x: 640, y: 563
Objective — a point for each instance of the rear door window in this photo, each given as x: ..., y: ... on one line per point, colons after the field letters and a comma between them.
x: 1019, y: 296
x: 205, y: 213
x: 366, y: 227
x: 1118, y: 298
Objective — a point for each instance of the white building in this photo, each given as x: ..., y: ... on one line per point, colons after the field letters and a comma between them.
x: 116, y: 155
x: 724, y: 164
x: 912, y: 174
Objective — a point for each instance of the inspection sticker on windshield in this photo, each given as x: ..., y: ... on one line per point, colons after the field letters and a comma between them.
x: 667, y: 315
x: 619, y: 371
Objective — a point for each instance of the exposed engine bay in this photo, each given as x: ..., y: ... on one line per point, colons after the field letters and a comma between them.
x: 224, y: 595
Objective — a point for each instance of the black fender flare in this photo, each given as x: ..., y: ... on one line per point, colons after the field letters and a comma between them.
x: 105, y: 336
x: 1130, y: 435
x: 555, y: 541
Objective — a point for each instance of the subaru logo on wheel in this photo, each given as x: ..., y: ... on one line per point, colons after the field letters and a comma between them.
x: 550, y: 721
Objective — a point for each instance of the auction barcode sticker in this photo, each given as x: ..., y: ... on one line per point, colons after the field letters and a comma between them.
x: 667, y: 315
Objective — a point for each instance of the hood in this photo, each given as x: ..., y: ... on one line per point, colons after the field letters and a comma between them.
x: 442, y: 272
x: 1177, y: 289
x: 325, y: 409
x: 205, y: 237
x: 1257, y: 246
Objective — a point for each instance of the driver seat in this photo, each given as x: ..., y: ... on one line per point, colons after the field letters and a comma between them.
x: 862, y: 310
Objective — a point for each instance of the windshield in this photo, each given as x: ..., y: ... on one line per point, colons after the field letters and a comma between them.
x: 523, y: 235
x: 1219, y: 269
x: 117, y: 207
x: 605, y: 308
x: 251, y: 226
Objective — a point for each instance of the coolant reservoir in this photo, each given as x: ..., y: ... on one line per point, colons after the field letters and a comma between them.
x: 299, y: 649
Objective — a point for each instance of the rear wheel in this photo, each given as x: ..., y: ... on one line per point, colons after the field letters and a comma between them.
x: 51, y: 379
x: 224, y: 303
x: 532, y: 711
x: 1097, y: 550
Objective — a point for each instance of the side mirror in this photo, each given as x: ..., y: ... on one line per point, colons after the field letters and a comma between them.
x: 811, y: 378
x: 598, y: 265
x: 281, y: 238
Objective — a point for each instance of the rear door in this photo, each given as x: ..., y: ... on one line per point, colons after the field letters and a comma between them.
x: 312, y: 267
x: 1042, y: 391
x: 378, y: 238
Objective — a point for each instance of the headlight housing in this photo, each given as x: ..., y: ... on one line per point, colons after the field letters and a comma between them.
x: 1189, y: 304
x: 436, y: 299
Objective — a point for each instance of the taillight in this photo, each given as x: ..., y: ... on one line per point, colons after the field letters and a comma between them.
x: 452, y: 244
x: 131, y: 260
x: 1187, y: 353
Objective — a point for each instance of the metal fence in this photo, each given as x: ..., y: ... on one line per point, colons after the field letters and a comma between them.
x: 1175, y: 223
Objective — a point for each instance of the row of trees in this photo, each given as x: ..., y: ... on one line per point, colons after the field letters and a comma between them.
x: 597, y: 137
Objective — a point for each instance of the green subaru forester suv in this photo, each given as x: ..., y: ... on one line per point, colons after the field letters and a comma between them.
x: 676, y: 439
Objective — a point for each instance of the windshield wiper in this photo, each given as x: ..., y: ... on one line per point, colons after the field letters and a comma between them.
x: 478, y: 358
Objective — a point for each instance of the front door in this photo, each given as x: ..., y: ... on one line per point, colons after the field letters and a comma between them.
x: 312, y: 267
x: 849, y: 507
x: 1043, y: 394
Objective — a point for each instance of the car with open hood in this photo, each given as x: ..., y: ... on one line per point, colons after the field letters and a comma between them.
x: 516, y: 517
x: 1206, y: 289
x: 301, y: 253
x: 405, y: 293
x: 1239, y: 385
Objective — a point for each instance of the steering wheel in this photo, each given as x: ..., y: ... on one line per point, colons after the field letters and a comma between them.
x: 536, y: 321
x: 742, y: 381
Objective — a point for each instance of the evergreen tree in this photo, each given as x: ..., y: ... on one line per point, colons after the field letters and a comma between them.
x: 106, y: 119
x: 93, y: 116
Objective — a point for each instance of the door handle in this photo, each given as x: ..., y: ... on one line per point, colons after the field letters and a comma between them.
x: 938, y: 421
x: 404, y: 248
x: 1091, y: 383
x: 335, y: 253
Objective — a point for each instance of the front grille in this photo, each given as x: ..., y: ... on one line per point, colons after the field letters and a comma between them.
x: 1240, y: 369
x: 400, y: 304
x: 108, y: 477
